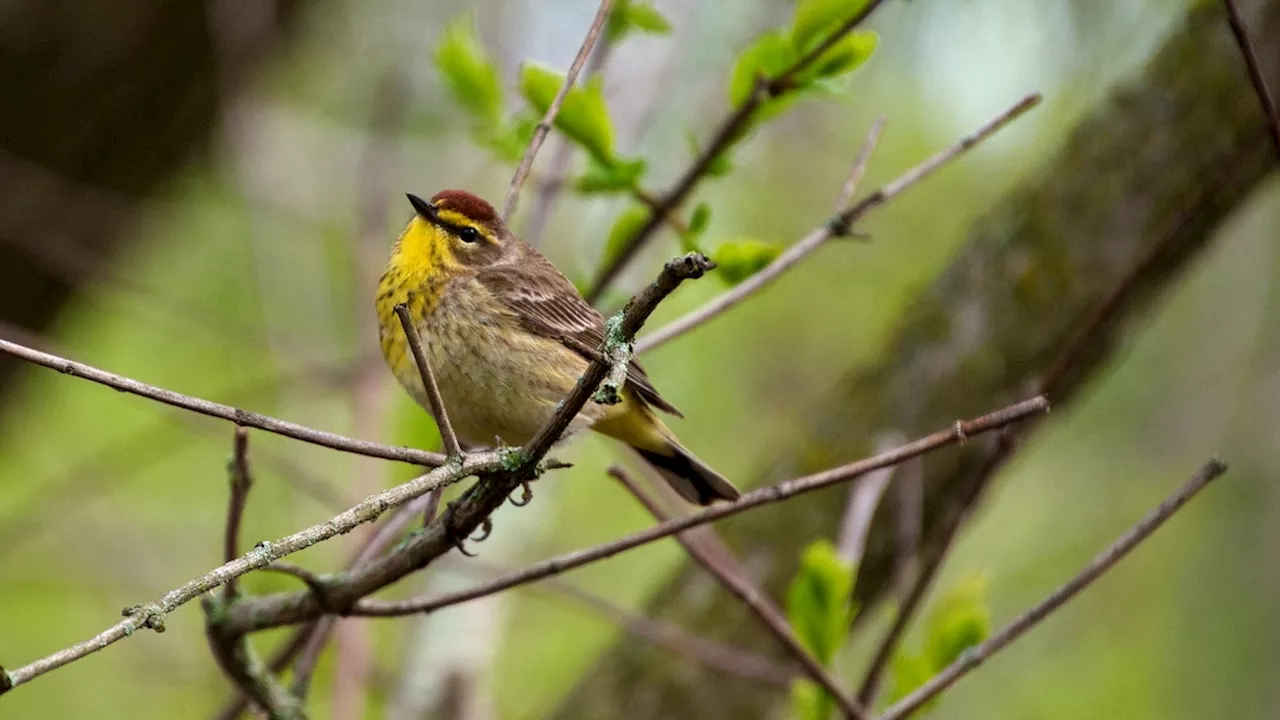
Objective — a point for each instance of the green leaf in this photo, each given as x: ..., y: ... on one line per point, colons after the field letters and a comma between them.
x: 630, y: 16
x: 768, y: 57
x: 700, y: 219
x: 721, y: 164
x: 908, y: 672
x: 740, y: 259
x: 960, y: 620
x: 810, y: 702
x: 818, y: 601
x: 469, y: 74
x: 583, y: 116
x: 845, y: 56
x: 620, y: 176
x: 624, y: 228
x: 815, y: 20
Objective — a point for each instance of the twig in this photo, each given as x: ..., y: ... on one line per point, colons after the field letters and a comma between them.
x: 240, y: 417
x: 241, y: 481
x: 544, y: 126
x: 864, y: 498
x: 726, y: 658
x: 447, y: 436
x: 151, y: 616
x: 752, y: 598
x: 638, y: 309
x: 860, y: 164
x: 1103, y: 562
x: 240, y: 664
x: 725, y: 136
x: 756, y: 498
x: 1256, y: 77
x: 838, y: 225
x: 306, y: 644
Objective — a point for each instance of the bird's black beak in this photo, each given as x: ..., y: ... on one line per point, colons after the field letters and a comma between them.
x: 422, y: 207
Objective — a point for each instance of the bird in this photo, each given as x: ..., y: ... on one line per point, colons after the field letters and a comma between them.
x: 507, y: 336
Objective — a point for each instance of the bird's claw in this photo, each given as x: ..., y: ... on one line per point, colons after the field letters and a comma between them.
x: 526, y: 495
x: 451, y: 531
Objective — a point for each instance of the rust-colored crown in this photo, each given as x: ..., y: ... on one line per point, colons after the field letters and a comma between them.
x: 463, y: 202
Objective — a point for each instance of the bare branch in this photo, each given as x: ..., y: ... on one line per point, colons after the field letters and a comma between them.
x: 151, y: 616
x: 1103, y: 562
x: 239, y: 662
x: 632, y: 317
x: 1265, y: 99
x: 752, y: 598
x: 724, y: 136
x: 754, y: 499
x: 839, y: 225
x: 864, y: 498
x: 240, y: 417
x: 241, y: 481
x: 447, y: 436
x: 860, y: 164
x: 544, y: 127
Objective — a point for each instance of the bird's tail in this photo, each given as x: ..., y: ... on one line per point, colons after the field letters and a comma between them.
x: 689, y: 476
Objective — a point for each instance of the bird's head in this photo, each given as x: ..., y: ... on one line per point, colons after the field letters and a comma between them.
x: 454, y: 228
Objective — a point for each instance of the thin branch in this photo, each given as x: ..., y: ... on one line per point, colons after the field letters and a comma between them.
x: 638, y: 309
x: 447, y: 435
x: 860, y: 164
x: 241, y: 481
x: 728, y: 132
x: 864, y: 498
x: 151, y: 616
x: 239, y: 662
x: 1265, y: 99
x: 308, y: 641
x: 544, y: 127
x: 754, y: 499
x: 752, y: 598
x: 836, y: 226
x: 1103, y: 562
x: 240, y: 417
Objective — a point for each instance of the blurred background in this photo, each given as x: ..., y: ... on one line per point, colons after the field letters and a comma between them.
x: 201, y: 196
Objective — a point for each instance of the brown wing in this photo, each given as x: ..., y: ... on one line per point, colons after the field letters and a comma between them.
x: 549, y: 305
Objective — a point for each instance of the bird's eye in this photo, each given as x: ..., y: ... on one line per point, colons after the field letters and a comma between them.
x: 468, y: 234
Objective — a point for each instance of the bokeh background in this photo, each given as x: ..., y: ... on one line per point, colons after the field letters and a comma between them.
x: 201, y: 197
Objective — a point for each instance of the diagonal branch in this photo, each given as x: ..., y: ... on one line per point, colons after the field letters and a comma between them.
x: 241, y: 481
x: 151, y: 616
x: 836, y: 226
x: 447, y: 436
x: 754, y: 499
x: 752, y: 597
x: 728, y: 132
x: 1265, y: 99
x: 544, y: 126
x: 1107, y: 559
x: 240, y: 417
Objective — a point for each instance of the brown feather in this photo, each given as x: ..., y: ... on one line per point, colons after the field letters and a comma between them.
x: 549, y: 305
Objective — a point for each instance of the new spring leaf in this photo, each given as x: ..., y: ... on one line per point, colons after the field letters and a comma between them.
x: 469, y: 74
x: 818, y: 600
x: 738, y: 260
x: 583, y: 117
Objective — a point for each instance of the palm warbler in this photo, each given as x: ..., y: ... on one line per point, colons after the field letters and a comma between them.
x: 492, y: 313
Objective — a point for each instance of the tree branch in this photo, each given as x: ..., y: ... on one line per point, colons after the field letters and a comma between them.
x: 447, y: 436
x: 1265, y: 99
x: 750, y: 596
x: 725, y: 136
x: 756, y: 498
x: 1103, y: 562
x: 240, y: 417
x: 838, y: 225
x: 241, y: 482
x: 544, y: 126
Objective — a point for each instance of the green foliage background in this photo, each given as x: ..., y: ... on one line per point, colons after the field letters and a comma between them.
x: 248, y: 285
